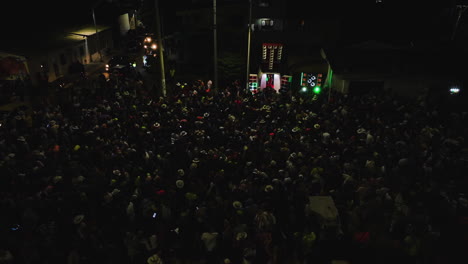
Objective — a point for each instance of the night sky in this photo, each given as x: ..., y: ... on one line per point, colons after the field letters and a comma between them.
x: 39, y: 17
x: 361, y: 20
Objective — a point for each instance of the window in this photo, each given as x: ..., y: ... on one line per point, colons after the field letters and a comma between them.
x: 63, y: 59
x: 267, y: 23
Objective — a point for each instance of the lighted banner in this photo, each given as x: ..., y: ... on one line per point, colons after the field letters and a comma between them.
x: 253, y: 82
x: 271, y: 80
x: 311, y: 81
x: 271, y: 55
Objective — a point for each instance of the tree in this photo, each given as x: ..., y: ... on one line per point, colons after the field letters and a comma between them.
x: 230, y: 66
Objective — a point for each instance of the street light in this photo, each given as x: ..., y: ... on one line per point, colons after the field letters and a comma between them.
x: 460, y: 10
x: 161, y: 54
x: 97, y: 34
x: 248, y: 43
x: 215, y: 47
x: 98, y: 45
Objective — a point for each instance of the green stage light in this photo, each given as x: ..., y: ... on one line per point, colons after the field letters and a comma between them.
x: 317, y: 90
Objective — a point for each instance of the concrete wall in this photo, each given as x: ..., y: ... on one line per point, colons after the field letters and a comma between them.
x: 105, y: 41
x: 124, y: 23
x: 56, y: 61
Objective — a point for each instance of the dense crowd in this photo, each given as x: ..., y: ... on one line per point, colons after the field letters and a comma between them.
x: 128, y: 177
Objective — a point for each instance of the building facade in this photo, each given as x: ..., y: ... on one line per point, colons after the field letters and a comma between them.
x: 52, y: 58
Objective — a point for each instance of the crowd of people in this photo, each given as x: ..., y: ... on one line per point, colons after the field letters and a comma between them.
x: 225, y: 177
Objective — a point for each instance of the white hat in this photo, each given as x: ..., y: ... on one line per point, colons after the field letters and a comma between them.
x: 78, y: 179
x: 155, y: 259
x: 237, y: 205
x: 241, y: 236
x: 316, y: 126
x: 268, y: 188
x: 193, y: 165
x: 115, y: 191
x: 180, y: 184
x: 361, y: 131
x: 78, y: 219
x: 181, y: 172
x: 22, y: 139
x: 57, y: 179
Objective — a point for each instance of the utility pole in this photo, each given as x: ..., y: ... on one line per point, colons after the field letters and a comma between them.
x: 460, y: 9
x: 98, y: 45
x: 215, y: 47
x: 160, y: 47
x: 248, y: 46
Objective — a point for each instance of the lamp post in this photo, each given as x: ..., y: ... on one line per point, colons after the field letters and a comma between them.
x: 215, y: 48
x: 460, y: 10
x: 85, y: 37
x: 98, y: 46
x: 248, y: 45
x: 161, y: 54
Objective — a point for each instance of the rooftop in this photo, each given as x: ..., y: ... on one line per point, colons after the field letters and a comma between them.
x: 36, y: 42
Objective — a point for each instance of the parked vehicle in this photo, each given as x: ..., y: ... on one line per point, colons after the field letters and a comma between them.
x: 119, y: 62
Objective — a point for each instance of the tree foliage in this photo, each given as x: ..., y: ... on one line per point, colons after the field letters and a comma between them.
x: 230, y: 65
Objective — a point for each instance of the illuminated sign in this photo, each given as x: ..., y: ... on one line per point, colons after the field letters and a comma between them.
x: 272, y: 54
x: 253, y: 81
x: 311, y: 80
x: 286, y: 81
x: 271, y: 80
x: 454, y: 90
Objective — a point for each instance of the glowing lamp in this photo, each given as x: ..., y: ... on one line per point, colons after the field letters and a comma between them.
x: 454, y: 90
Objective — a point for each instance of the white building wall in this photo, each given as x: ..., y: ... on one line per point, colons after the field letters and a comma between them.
x: 124, y: 23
